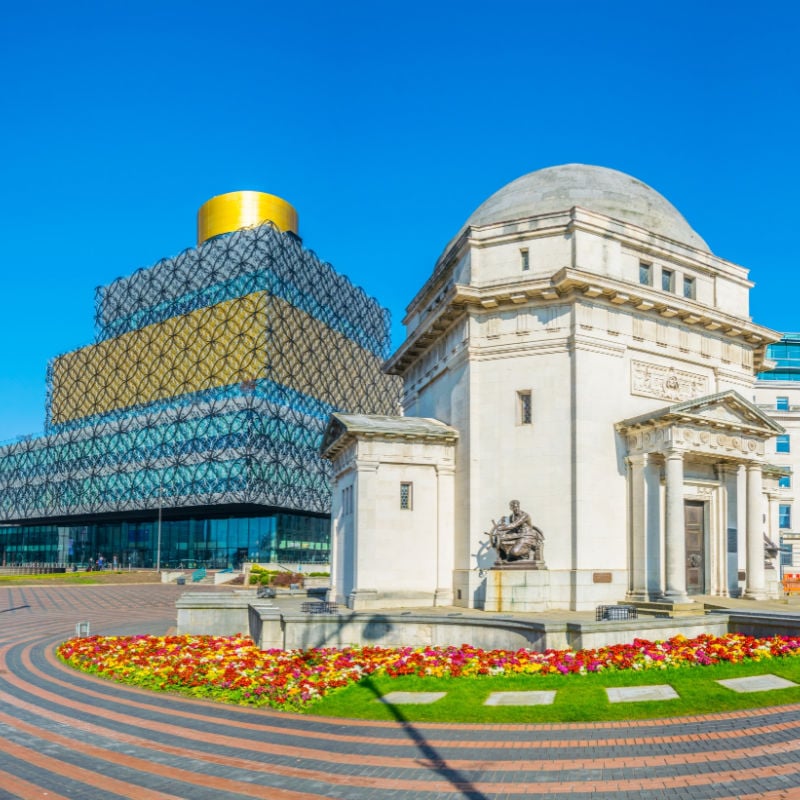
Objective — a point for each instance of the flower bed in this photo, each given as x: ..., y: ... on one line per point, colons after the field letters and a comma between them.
x: 233, y: 669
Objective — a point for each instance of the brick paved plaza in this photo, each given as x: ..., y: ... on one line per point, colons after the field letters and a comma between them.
x: 68, y: 735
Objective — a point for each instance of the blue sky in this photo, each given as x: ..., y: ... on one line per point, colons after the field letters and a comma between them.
x: 384, y: 124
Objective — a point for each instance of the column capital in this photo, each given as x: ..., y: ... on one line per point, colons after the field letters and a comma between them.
x: 638, y: 459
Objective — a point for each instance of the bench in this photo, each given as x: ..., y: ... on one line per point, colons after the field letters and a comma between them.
x: 319, y: 607
x: 615, y: 613
x: 791, y: 583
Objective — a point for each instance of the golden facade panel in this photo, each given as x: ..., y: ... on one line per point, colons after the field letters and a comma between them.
x: 245, y: 339
x: 213, y: 346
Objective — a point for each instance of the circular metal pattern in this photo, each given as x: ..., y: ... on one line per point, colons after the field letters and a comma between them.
x: 210, y: 382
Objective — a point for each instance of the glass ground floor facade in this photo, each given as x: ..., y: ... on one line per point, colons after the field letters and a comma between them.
x: 188, y: 541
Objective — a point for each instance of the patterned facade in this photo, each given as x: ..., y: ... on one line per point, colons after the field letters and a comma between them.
x: 204, y: 395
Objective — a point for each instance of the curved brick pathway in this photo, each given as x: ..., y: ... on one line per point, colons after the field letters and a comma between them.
x: 67, y: 735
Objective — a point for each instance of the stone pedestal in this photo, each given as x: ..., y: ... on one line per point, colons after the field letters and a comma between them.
x: 517, y: 589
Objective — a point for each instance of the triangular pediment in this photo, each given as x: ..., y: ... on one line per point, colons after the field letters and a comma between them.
x: 724, y: 410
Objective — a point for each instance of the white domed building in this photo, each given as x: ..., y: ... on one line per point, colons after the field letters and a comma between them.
x: 580, y: 349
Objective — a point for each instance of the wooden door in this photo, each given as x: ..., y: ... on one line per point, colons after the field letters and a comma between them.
x: 694, y: 518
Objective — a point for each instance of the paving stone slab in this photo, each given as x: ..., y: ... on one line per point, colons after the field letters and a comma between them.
x: 757, y: 683
x: 520, y: 699
x: 411, y: 698
x: 636, y: 694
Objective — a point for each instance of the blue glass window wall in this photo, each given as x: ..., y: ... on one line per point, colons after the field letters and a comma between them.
x: 214, y: 543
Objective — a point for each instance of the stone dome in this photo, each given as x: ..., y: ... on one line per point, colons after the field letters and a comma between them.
x: 599, y: 189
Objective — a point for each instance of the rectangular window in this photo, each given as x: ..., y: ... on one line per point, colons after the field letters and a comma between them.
x: 781, y: 403
x: 784, y: 517
x: 525, y: 260
x: 645, y: 274
x: 347, y: 500
x: 782, y: 443
x: 406, y: 496
x: 785, y: 481
x: 667, y: 280
x: 524, y: 408
x: 688, y: 288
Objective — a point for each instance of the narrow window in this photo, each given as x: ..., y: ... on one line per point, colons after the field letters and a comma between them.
x: 525, y: 259
x: 784, y: 516
x: 667, y: 280
x: 645, y: 274
x: 781, y: 403
x: 785, y: 481
x: 347, y: 500
x: 406, y: 496
x: 688, y: 288
x: 782, y: 443
x: 524, y: 409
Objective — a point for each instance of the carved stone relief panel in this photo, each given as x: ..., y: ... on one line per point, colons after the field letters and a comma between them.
x: 732, y: 444
x: 667, y: 383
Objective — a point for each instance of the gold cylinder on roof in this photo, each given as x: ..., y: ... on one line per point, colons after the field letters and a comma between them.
x: 230, y: 212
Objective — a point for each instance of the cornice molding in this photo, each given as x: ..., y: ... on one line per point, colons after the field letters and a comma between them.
x: 569, y: 285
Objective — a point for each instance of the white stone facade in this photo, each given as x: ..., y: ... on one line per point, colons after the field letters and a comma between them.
x: 555, y: 335
x: 392, y: 511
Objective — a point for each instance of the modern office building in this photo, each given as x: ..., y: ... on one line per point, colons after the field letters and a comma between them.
x: 777, y: 392
x: 188, y: 432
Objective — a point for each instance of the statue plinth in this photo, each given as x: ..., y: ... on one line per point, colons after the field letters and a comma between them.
x: 518, y: 565
x: 517, y: 587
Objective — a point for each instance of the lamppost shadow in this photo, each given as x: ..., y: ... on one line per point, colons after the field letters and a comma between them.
x: 432, y: 759
x: 375, y: 627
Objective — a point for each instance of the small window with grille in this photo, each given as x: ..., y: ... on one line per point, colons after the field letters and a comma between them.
x: 524, y: 408
x: 406, y: 496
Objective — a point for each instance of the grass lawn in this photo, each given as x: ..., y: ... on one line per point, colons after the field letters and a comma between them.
x: 579, y: 698
x: 81, y: 578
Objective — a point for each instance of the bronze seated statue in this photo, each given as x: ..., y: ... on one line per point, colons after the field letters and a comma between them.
x: 516, y: 538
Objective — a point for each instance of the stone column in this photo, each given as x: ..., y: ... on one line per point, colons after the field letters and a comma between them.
x: 774, y: 527
x: 720, y: 534
x: 364, y: 558
x: 637, y: 583
x: 675, y: 538
x: 755, y: 585
x: 445, y: 535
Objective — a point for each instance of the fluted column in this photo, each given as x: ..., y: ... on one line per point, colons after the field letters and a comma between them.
x: 675, y: 529
x: 719, y: 534
x: 755, y: 586
x: 637, y: 583
x: 445, y: 535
